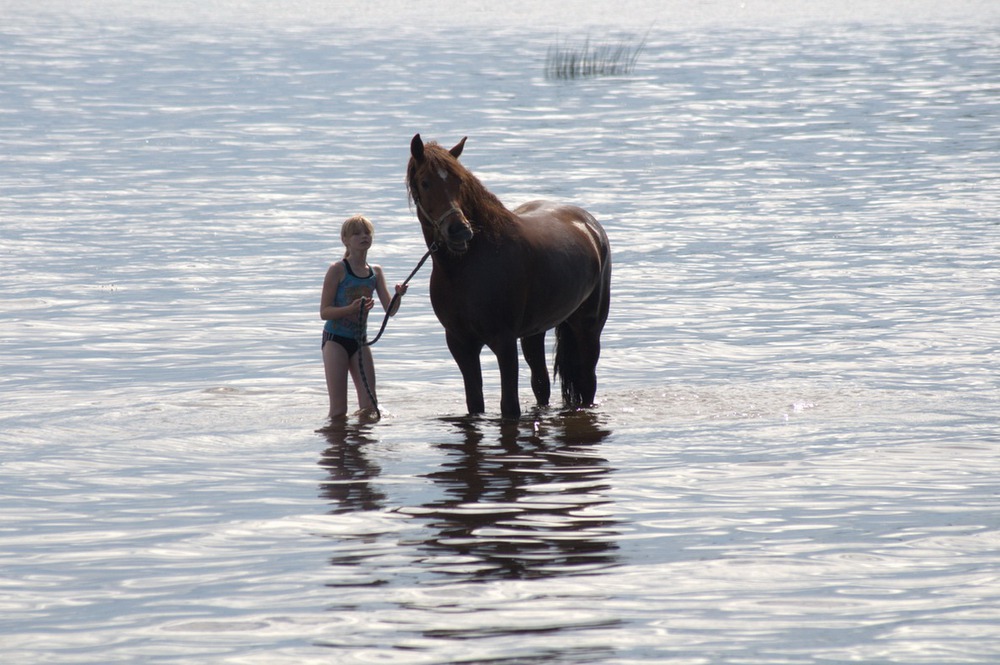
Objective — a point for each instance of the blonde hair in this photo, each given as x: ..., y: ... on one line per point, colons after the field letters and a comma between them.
x: 352, y: 225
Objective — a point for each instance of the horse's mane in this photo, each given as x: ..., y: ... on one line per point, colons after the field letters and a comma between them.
x: 482, y: 208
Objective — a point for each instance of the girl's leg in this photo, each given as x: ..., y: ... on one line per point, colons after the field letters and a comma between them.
x: 335, y: 363
x: 364, y: 401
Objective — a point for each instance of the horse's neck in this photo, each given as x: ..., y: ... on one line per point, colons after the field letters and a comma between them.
x: 487, y: 210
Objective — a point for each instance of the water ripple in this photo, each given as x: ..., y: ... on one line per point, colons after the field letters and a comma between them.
x: 793, y: 458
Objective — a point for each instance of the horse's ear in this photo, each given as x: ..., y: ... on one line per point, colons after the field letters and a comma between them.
x: 417, y: 148
x: 457, y: 150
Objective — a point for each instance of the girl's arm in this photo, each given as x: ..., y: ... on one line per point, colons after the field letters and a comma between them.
x: 383, y: 291
x: 380, y: 287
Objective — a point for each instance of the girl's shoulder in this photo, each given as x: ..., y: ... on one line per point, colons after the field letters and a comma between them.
x: 336, y: 270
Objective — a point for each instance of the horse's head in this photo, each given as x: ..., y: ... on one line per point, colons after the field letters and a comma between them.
x: 434, y: 181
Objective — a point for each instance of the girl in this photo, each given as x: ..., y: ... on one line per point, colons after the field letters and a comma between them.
x: 347, y: 288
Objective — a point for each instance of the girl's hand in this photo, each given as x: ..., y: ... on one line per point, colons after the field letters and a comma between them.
x: 367, y: 303
x: 396, y: 299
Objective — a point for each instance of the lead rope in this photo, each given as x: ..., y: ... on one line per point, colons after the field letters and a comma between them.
x: 362, y: 337
x: 392, y: 303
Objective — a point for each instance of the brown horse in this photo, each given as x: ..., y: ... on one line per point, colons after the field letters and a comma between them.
x: 500, y: 275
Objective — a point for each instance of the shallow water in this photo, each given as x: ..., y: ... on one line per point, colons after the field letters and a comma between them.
x: 793, y: 458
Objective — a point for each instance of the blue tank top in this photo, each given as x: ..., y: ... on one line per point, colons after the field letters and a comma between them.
x: 351, y: 288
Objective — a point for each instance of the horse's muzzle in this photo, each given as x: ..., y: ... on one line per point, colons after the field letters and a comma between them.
x: 459, y: 235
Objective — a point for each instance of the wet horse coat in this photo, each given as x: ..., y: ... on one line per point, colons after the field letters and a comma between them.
x: 500, y: 276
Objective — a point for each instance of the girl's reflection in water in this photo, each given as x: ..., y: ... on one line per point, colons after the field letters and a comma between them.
x: 351, y: 472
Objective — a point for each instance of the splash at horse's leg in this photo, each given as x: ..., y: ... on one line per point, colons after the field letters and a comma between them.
x: 466, y: 355
x: 506, y: 353
x: 533, y: 348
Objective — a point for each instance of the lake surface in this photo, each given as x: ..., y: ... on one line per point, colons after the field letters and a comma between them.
x: 794, y: 457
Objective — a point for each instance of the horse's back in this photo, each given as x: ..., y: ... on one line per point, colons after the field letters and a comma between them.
x: 549, y: 221
x: 548, y: 211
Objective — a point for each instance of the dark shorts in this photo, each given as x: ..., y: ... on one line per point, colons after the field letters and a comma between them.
x: 350, y: 345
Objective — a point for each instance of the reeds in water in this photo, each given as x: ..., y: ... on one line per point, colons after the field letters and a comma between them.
x: 568, y: 62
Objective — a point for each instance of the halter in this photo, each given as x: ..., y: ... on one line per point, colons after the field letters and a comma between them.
x: 436, y: 223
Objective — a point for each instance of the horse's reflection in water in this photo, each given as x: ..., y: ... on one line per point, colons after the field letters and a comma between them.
x: 349, y: 486
x: 523, y: 500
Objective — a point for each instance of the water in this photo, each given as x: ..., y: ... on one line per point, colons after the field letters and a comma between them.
x: 793, y: 460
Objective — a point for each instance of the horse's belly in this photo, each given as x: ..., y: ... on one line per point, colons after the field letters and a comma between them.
x: 490, y: 321
x: 547, y: 316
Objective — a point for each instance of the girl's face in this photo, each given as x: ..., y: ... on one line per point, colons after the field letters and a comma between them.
x: 359, y: 238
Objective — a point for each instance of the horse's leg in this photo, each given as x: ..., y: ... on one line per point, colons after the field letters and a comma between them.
x: 507, y: 360
x: 590, y: 326
x: 466, y: 355
x: 578, y: 346
x: 576, y: 362
x: 533, y: 348
x: 590, y: 353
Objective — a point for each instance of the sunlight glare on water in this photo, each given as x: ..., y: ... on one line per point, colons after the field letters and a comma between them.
x: 793, y: 455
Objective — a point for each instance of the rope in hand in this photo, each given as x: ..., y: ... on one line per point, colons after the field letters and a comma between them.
x: 362, y: 338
